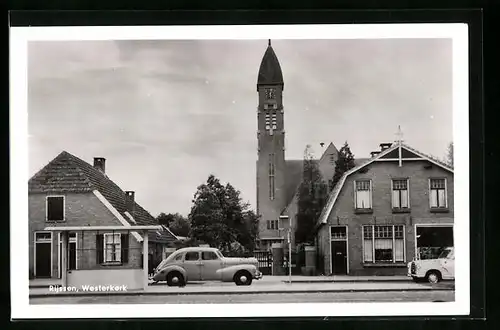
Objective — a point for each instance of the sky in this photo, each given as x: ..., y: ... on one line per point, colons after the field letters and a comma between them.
x: 167, y: 114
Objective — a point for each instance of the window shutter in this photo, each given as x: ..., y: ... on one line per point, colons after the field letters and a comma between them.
x: 124, y: 238
x: 99, y: 248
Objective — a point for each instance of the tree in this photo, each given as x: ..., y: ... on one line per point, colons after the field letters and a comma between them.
x: 344, y: 163
x: 178, y: 224
x: 311, y: 199
x: 449, y: 155
x: 219, y: 217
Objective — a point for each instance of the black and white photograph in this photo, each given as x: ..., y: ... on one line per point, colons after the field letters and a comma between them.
x: 253, y: 170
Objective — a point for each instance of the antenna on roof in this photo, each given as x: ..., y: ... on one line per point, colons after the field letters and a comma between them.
x: 269, y: 42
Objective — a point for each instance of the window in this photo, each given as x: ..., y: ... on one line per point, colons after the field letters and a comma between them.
x: 332, y: 159
x: 363, y: 190
x: 112, y: 247
x: 438, y: 193
x: 190, y: 256
x: 273, y: 224
x: 338, y: 233
x: 383, y: 244
x: 271, y: 176
x: 209, y: 256
x: 55, y: 208
x: 178, y: 257
x: 400, y: 195
x: 43, y: 237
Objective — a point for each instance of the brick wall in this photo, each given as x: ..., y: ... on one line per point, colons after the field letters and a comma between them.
x: 270, y: 144
x: 381, y: 174
x: 80, y: 210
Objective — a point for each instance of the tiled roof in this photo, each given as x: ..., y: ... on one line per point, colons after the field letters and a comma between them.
x: 69, y: 174
x: 293, y: 177
x: 362, y: 163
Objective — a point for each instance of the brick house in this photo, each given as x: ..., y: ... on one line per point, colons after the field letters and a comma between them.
x: 381, y: 214
x: 70, y: 192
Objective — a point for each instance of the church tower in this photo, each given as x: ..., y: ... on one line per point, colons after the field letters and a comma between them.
x: 271, y: 195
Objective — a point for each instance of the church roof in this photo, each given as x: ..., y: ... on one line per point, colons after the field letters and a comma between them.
x: 69, y: 174
x: 270, y: 69
x: 293, y: 176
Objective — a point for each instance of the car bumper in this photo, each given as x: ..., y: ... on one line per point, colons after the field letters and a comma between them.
x: 258, y: 275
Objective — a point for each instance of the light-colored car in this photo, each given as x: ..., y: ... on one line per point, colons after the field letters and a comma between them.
x: 434, y: 270
x: 205, y: 264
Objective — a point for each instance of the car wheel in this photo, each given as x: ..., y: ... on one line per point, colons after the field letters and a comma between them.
x: 433, y: 277
x: 175, y: 279
x: 243, y: 278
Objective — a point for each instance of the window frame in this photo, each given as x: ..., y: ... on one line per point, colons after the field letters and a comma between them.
x: 407, y: 194
x: 209, y: 252
x: 104, y: 248
x: 445, y: 207
x: 273, y: 224
x: 272, y: 176
x: 374, y: 261
x: 356, y: 196
x: 188, y: 252
x: 47, y: 207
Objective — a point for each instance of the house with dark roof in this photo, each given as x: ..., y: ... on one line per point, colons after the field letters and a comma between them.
x: 278, y: 178
x: 70, y: 192
x: 394, y: 207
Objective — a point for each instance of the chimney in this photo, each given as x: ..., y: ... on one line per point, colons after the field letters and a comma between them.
x: 100, y: 164
x: 130, y: 201
x: 384, y: 146
x: 374, y: 153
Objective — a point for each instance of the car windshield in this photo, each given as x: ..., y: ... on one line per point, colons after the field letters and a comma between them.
x: 445, y: 254
x: 219, y: 254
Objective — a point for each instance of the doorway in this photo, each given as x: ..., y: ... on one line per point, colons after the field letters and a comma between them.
x: 338, y: 243
x: 43, y: 254
x: 432, y: 239
x: 71, y: 252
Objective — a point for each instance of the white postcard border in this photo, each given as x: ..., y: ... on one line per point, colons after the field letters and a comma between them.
x: 19, y: 38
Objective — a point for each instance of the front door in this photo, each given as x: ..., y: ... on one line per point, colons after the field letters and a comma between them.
x: 211, y: 263
x: 192, y: 265
x: 43, y: 255
x: 339, y: 257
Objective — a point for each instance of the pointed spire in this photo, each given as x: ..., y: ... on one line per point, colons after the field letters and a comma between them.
x: 270, y: 70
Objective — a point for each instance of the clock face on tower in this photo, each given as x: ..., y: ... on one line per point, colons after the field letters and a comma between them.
x: 270, y: 93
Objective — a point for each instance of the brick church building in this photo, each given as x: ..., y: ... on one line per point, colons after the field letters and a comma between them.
x: 278, y: 178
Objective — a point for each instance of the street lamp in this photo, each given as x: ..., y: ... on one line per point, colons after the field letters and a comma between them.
x: 289, y: 237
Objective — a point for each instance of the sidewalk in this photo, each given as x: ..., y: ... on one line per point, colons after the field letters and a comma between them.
x: 262, y: 286
x: 338, y: 278
x: 44, y: 283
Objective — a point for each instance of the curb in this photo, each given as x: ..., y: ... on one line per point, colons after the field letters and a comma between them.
x: 40, y: 286
x: 180, y: 293
x: 347, y: 281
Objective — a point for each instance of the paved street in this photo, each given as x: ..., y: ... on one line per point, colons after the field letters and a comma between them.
x: 315, y: 297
